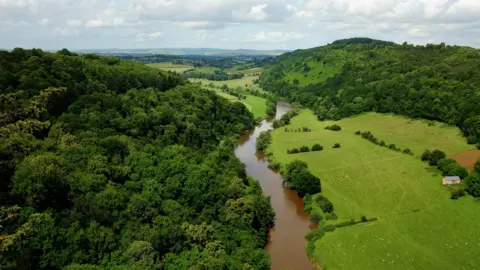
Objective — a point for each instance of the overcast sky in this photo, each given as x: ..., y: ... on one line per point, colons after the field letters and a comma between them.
x: 233, y: 24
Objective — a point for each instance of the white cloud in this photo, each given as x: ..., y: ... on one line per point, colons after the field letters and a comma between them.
x: 275, y: 36
x: 65, y: 32
x: 202, y: 24
x: 258, y: 13
x: 97, y: 23
x: 148, y: 36
x: 43, y: 21
x: 74, y: 23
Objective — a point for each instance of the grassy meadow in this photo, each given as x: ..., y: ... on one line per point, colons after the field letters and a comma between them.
x: 418, y: 226
x: 171, y: 67
x: 243, y: 82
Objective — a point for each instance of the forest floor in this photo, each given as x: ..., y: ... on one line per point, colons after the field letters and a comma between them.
x: 418, y: 226
x: 171, y: 67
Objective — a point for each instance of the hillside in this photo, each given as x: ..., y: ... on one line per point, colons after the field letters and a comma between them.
x: 347, y: 77
x: 112, y: 164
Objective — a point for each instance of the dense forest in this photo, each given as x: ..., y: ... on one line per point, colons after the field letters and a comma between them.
x: 110, y: 164
x: 348, y: 77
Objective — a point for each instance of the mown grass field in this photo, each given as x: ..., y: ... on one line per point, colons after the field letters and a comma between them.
x: 243, y: 82
x: 418, y: 226
x: 171, y: 67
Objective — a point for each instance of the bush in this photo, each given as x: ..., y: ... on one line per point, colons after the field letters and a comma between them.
x: 477, y: 167
x: 329, y: 228
x: 324, y: 204
x: 263, y: 140
x: 407, y: 151
x: 334, y: 128
x: 294, y: 151
x: 472, y: 139
x: 337, y: 145
x: 345, y: 223
x: 426, y: 155
x: 392, y: 146
x: 304, y: 149
x: 473, y: 183
x: 366, y: 134
x: 435, y: 157
x: 296, y: 173
x: 274, y: 166
x: 382, y: 143
x: 316, y: 217
x: 363, y: 219
x: 331, y: 216
x: 317, y: 147
x: 457, y: 194
x: 306, y: 129
x: 315, y: 234
x: 357, y: 132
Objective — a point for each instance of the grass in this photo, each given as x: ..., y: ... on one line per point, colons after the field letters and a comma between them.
x: 171, y: 67
x: 418, y: 226
x: 230, y: 83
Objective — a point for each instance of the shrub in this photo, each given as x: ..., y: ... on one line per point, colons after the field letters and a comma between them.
x: 366, y: 134
x: 382, y: 143
x: 274, y: 166
x: 306, y: 129
x: 304, y: 149
x: 317, y: 147
x: 472, y: 139
x: 435, y: 157
x: 363, y: 219
x: 392, y: 146
x: 407, y: 151
x: 316, y: 217
x: 477, y: 167
x: 294, y: 151
x: 426, y: 155
x: 329, y: 228
x: 331, y: 216
x: 337, y: 145
x: 345, y: 223
x: 324, y: 204
x: 357, y: 132
x: 263, y: 140
x: 296, y: 173
x: 286, y: 130
x: 473, y: 183
x: 315, y: 234
x: 457, y: 194
x: 334, y: 128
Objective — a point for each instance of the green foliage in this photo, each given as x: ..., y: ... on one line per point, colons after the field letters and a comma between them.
x: 477, y: 167
x: 274, y: 166
x: 324, y: 204
x: 427, y: 154
x: 297, y: 176
x: 450, y: 167
x: 334, y: 128
x: 473, y: 183
x: 317, y: 147
x: 336, y: 145
x: 304, y: 149
x: 131, y: 168
x: 456, y: 194
x: 263, y: 140
x: 435, y: 157
x: 345, y: 78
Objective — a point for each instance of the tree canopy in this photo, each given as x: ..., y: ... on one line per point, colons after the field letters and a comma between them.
x: 111, y: 164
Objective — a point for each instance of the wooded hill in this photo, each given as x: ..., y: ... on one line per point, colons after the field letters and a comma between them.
x: 111, y: 164
x: 348, y: 77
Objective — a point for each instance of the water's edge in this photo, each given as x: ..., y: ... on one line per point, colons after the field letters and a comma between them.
x: 286, y: 244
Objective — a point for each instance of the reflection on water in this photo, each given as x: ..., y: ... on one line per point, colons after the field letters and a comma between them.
x: 287, y: 238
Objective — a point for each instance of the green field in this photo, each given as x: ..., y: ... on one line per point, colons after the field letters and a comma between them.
x: 243, y: 82
x: 418, y: 226
x: 171, y: 67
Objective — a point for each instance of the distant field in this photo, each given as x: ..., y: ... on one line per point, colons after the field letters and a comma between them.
x: 243, y: 82
x: 171, y: 67
x: 418, y: 227
x: 247, y: 72
x: 257, y: 105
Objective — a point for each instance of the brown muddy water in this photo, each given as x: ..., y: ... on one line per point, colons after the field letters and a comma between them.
x: 286, y: 244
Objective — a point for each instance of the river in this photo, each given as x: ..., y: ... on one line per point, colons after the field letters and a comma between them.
x: 286, y: 244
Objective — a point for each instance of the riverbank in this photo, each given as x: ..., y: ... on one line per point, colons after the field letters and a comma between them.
x: 286, y: 244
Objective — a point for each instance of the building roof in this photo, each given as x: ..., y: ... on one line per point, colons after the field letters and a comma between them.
x: 452, y: 178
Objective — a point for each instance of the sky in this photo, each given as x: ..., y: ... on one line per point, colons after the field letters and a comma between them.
x: 233, y: 24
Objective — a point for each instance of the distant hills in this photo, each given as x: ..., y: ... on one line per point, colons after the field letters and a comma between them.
x: 184, y: 52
